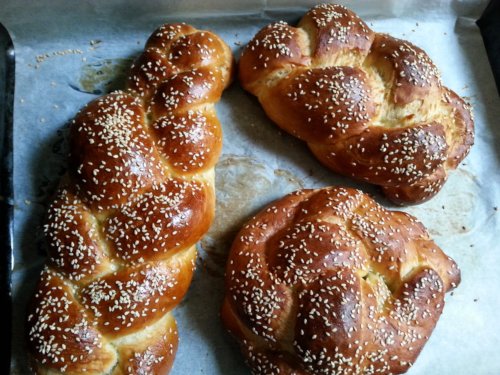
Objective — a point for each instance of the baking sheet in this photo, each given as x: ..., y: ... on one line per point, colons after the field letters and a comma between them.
x: 7, y: 76
x: 67, y: 53
x: 489, y: 24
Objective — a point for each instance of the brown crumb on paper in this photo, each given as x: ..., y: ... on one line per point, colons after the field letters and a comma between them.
x: 94, y: 44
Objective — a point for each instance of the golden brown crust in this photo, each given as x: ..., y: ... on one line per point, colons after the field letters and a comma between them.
x: 139, y: 194
x: 407, y: 68
x: 73, y: 233
x: 337, y: 85
x: 179, y: 138
x: 171, y: 216
x: 112, y: 156
x: 130, y: 299
x: 326, y: 98
x: 375, y: 154
x: 327, y: 281
x: 187, y: 90
x: 151, y: 357
x: 333, y: 30
x: 463, y: 129
x: 61, y: 335
x: 276, y: 47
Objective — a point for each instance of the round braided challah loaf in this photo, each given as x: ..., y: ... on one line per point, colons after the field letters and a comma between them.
x: 139, y: 194
x: 368, y: 105
x: 328, y: 282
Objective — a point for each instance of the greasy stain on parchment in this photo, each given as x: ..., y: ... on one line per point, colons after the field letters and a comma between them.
x: 453, y: 211
x: 243, y: 186
x: 104, y: 76
x: 457, y: 212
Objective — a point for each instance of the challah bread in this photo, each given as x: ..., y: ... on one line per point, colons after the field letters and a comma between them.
x: 369, y: 106
x: 328, y: 282
x: 138, y: 195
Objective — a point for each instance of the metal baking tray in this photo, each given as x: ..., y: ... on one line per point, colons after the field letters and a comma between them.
x: 68, y: 53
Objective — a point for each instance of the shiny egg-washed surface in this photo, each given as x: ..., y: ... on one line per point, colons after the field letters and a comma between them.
x: 369, y: 106
x: 138, y: 195
x: 329, y: 282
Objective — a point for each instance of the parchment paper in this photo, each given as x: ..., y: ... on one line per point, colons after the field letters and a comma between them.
x: 69, y: 52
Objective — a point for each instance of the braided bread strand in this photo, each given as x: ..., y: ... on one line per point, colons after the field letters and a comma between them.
x: 329, y: 282
x: 139, y: 194
x: 369, y: 106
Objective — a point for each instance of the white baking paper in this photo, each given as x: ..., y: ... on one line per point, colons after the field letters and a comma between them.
x: 69, y: 52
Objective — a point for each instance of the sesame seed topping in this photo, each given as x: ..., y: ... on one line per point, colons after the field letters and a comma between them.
x: 138, y: 196
x: 329, y: 281
x: 331, y: 79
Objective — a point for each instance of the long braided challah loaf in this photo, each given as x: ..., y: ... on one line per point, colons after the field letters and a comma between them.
x: 138, y: 196
x: 368, y: 105
x: 329, y: 282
